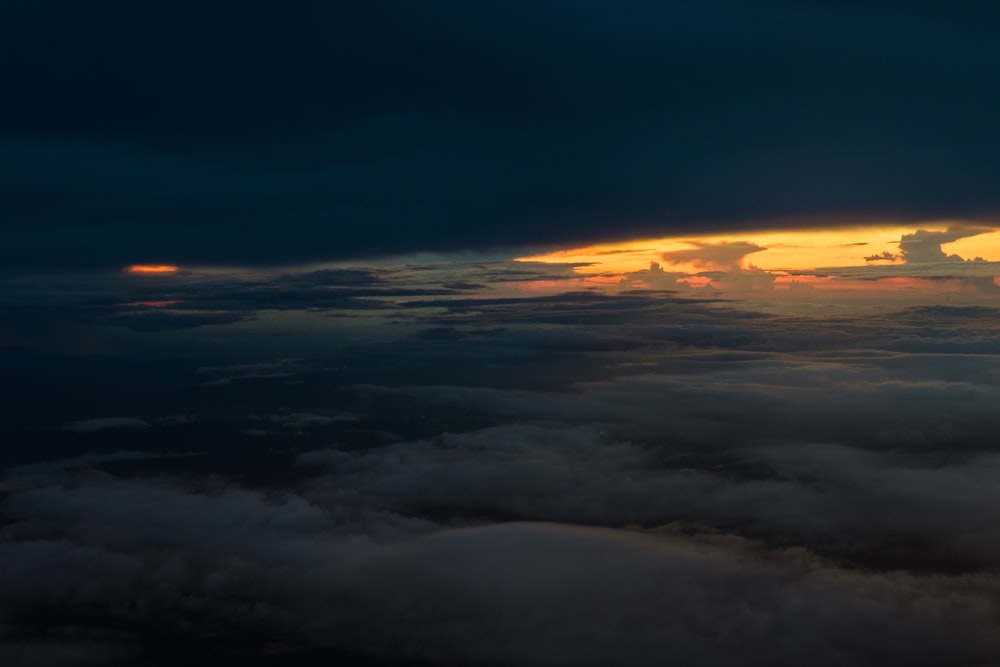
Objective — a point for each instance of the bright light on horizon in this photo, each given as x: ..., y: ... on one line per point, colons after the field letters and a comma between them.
x: 151, y: 268
x: 780, y: 250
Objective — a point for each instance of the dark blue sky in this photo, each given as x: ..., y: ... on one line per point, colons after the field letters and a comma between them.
x: 256, y: 133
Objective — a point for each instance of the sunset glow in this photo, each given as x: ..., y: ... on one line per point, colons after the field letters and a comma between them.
x: 876, y: 264
x: 777, y: 251
x: 151, y: 268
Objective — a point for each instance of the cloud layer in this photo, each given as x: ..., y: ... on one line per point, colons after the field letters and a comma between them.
x: 406, y: 466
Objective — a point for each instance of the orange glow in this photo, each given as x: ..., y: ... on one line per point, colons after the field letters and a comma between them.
x: 151, y: 268
x: 986, y: 246
x: 803, y: 282
x: 886, y: 261
x: 782, y: 250
x: 895, y: 284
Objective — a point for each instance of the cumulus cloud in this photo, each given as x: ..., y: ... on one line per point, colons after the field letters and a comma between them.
x: 721, y: 256
x: 924, y: 246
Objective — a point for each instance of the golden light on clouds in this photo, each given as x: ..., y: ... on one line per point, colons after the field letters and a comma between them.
x: 774, y: 251
x: 886, y: 262
x: 151, y: 268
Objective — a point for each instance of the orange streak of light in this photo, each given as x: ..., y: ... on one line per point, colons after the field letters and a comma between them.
x: 880, y: 284
x: 151, y: 268
x: 148, y: 304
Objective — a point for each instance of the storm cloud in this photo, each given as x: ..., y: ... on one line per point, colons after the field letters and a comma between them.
x: 237, y: 133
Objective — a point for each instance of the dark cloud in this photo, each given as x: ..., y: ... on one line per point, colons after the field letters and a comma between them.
x: 91, y: 425
x: 169, y: 320
x: 123, y: 560
x: 222, y: 132
x: 478, y: 467
x: 924, y: 246
x: 884, y: 256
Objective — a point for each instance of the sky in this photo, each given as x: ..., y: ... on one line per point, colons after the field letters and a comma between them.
x: 220, y: 131
x: 563, y: 333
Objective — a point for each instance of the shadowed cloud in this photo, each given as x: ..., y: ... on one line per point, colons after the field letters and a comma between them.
x: 723, y: 256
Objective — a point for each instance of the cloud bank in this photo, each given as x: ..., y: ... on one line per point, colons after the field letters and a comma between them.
x: 405, y: 466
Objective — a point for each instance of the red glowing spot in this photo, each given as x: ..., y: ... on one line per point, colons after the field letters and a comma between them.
x: 148, y: 304
x: 151, y: 268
